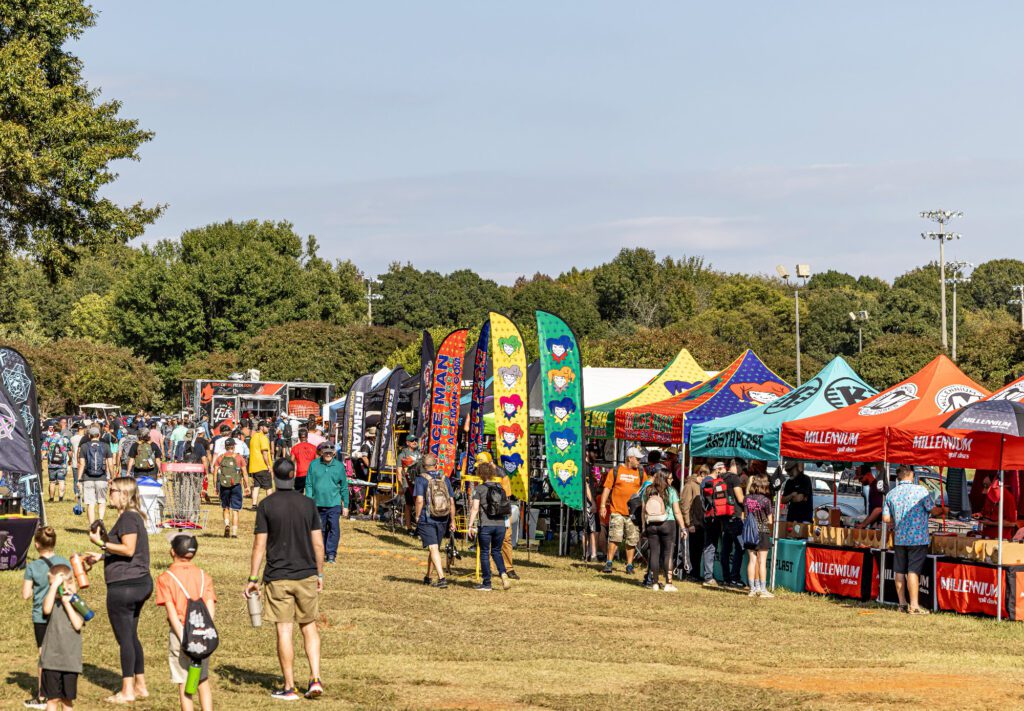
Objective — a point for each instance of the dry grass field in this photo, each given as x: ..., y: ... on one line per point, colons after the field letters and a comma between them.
x: 565, y: 637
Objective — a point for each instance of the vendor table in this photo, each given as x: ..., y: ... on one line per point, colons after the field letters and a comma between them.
x: 842, y: 571
x: 15, y: 540
x: 968, y: 587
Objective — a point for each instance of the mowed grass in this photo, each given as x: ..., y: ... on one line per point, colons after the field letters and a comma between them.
x: 565, y: 637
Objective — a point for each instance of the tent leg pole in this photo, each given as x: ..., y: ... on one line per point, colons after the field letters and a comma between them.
x: 775, y: 531
x: 999, y: 554
x: 883, y: 546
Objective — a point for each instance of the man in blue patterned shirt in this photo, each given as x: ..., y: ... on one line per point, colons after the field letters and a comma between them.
x: 906, y: 509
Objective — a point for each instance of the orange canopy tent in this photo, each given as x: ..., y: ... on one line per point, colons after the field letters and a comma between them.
x: 927, y: 442
x: 858, y: 432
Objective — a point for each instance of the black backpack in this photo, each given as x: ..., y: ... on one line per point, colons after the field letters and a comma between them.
x: 200, y: 638
x: 495, y: 501
x: 95, y: 459
x: 57, y: 454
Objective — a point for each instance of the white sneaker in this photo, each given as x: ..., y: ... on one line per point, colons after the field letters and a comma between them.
x: 655, y: 588
x: 754, y: 592
x: 670, y: 588
x: 765, y: 593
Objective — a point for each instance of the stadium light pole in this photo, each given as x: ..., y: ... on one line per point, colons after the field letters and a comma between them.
x: 370, y: 298
x: 957, y: 275
x: 1019, y: 288
x: 942, y: 217
x: 803, y: 271
x: 859, y: 318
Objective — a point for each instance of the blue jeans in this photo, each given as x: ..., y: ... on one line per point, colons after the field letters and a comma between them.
x: 329, y: 522
x: 489, y: 542
x: 732, y: 550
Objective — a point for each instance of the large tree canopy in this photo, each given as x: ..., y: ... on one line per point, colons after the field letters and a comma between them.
x: 57, y: 141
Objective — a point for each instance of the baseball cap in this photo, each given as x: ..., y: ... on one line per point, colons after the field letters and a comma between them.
x: 718, y: 465
x: 94, y: 431
x: 412, y: 438
x: 184, y: 545
x: 634, y: 452
x: 324, y: 446
x: 484, y: 458
x: 229, y: 442
x: 657, y: 467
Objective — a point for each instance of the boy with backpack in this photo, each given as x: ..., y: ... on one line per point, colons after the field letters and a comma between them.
x: 435, y: 515
x: 619, y: 488
x: 186, y: 593
x: 491, y: 504
x: 233, y: 484
x: 718, y: 509
x: 122, y: 447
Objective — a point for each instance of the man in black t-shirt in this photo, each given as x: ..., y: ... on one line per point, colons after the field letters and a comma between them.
x: 798, y: 494
x: 288, y: 533
x: 877, y: 489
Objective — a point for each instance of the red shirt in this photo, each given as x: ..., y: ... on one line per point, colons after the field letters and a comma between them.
x: 304, y: 454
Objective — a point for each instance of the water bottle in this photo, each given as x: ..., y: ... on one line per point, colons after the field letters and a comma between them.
x: 78, y: 570
x: 255, y: 609
x: 79, y: 604
x: 192, y: 681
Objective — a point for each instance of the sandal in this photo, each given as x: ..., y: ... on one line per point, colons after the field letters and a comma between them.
x: 918, y: 611
x: 902, y: 608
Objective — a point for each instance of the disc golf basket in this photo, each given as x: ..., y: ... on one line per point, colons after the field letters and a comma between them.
x: 183, y: 489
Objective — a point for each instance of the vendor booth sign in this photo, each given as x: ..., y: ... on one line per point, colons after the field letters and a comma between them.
x: 846, y: 572
x: 967, y: 587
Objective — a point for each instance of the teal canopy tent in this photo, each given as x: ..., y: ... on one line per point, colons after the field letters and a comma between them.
x: 754, y: 434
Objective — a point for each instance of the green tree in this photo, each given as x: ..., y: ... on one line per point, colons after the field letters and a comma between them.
x: 831, y: 279
x: 992, y: 284
x: 991, y: 348
x: 92, y: 318
x: 57, y: 141
x: 574, y: 302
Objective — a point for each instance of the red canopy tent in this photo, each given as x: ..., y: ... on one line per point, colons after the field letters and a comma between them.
x: 858, y: 432
x: 926, y: 442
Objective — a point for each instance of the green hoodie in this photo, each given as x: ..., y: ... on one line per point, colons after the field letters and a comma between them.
x: 327, y: 484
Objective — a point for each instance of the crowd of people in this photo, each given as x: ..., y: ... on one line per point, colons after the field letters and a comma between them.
x: 680, y: 521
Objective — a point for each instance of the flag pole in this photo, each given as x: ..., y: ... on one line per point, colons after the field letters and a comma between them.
x: 775, y: 532
x: 999, y: 546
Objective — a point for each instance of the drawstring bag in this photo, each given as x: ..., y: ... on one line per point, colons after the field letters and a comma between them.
x: 200, y: 637
x: 751, y: 535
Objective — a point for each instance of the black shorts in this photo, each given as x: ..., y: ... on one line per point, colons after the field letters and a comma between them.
x: 764, y: 543
x: 909, y: 559
x: 40, y: 630
x: 59, y: 684
x: 262, y: 480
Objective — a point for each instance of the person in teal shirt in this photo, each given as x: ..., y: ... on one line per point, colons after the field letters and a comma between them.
x: 327, y: 485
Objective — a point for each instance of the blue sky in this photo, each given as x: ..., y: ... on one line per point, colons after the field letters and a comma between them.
x: 520, y: 137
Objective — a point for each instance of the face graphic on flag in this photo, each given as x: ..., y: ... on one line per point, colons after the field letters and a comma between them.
x: 564, y: 471
x: 511, y: 462
x: 509, y: 345
x: 561, y: 378
x: 510, y: 375
x: 510, y: 405
x: 562, y: 409
x: 559, y: 348
x: 510, y: 435
x: 563, y: 440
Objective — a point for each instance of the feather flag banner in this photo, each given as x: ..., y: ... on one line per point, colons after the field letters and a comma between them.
x: 511, y: 406
x: 562, y: 395
x: 445, y: 390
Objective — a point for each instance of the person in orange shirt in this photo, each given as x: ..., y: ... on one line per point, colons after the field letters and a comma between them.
x: 618, y: 489
x: 174, y: 588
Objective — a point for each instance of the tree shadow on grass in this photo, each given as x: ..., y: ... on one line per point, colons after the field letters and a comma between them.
x: 238, y: 675
x: 27, y: 682
x: 102, y: 677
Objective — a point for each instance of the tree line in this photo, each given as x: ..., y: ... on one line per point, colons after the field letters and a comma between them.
x: 128, y: 322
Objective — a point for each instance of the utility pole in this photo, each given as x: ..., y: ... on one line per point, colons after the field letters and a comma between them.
x: 1019, y: 301
x: 958, y: 275
x: 803, y: 271
x: 942, y: 217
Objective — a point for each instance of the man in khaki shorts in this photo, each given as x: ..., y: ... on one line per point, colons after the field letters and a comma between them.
x: 619, y: 487
x: 93, y: 472
x: 288, y: 533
